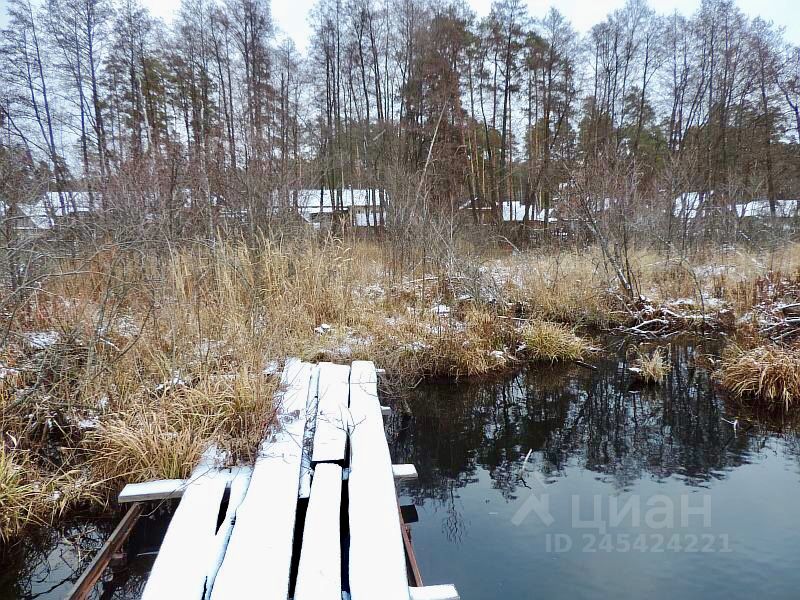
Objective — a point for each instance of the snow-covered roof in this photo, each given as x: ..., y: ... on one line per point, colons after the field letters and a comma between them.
x: 44, y: 210
x: 687, y: 205
x: 316, y: 201
x: 514, y: 211
x: 690, y: 204
x: 761, y: 208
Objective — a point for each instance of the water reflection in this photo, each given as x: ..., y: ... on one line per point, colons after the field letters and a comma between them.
x: 46, y: 563
x: 589, y: 433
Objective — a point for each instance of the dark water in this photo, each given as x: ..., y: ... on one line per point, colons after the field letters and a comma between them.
x: 628, y: 493
x: 46, y: 563
x: 719, y: 511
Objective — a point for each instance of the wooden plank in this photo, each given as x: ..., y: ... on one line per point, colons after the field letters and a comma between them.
x: 87, y: 580
x: 404, y: 471
x: 258, y: 557
x: 434, y: 592
x: 319, y: 575
x: 308, y: 437
x: 386, y: 411
x: 181, y: 564
x: 163, y: 489
x: 152, y: 490
x: 330, y: 436
x: 374, y: 524
x: 238, y: 488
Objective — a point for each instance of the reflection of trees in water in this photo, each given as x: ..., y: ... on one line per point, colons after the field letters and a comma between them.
x: 659, y: 431
x: 126, y: 583
x: 48, y: 561
x: 454, y: 524
x: 573, y: 416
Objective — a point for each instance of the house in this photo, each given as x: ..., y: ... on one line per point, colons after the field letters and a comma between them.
x: 687, y: 206
x: 357, y: 207
x: 760, y: 209
x: 48, y: 211
x: 691, y: 205
x: 513, y: 212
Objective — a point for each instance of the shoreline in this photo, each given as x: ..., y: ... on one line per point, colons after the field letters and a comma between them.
x: 129, y: 373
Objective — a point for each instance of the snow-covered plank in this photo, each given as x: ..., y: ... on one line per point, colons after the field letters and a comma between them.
x: 404, y: 471
x: 152, y: 490
x: 319, y: 574
x: 163, y: 489
x: 434, y: 592
x: 181, y: 564
x: 330, y: 436
x: 258, y: 558
x: 308, y: 438
x: 238, y: 487
x: 386, y: 411
x: 374, y: 524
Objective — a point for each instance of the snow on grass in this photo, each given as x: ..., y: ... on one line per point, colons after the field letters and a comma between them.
x: 41, y: 340
x: 441, y: 310
x: 8, y: 372
x: 273, y: 367
x: 177, y: 380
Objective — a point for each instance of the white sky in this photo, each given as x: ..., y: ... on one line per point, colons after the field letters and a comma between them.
x: 291, y: 16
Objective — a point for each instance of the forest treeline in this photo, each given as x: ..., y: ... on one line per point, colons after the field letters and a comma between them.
x: 418, y: 99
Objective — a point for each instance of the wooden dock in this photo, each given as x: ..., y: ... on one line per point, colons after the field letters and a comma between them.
x: 316, y: 516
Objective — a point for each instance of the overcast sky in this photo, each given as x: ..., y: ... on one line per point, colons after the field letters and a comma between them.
x: 291, y: 16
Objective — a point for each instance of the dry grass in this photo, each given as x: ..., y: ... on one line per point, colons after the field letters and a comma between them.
x: 19, y: 497
x: 768, y: 374
x: 144, y: 446
x: 28, y: 495
x: 129, y: 325
x: 576, y: 288
x: 552, y: 342
x: 164, y: 437
x: 567, y: 288
x: 652, y: 369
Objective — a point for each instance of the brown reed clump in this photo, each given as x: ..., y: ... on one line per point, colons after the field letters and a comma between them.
x: 769, y: 374
x: 552, y: 342
x: 30, y: 495
x: 653, y: 368
x: 164, y: 437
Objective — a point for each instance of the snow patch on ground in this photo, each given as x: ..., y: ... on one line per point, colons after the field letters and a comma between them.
x: 126, y: 327
x: 441, y: 309
x: 414, y: 347
x: 6, y: 372
x: 498, y: 355
x: 176, y: 381
x: 273, y: 368
x: 89, y: 423
x: 41, y: 340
